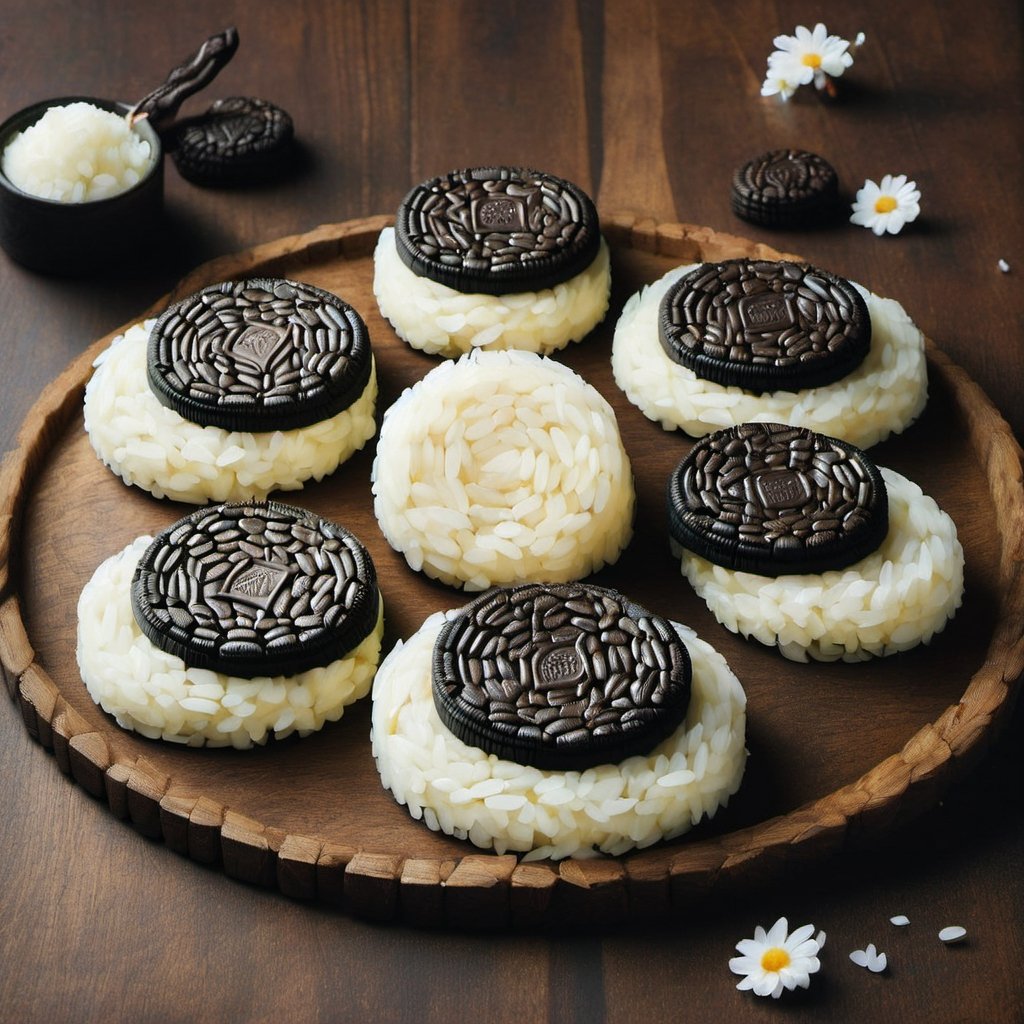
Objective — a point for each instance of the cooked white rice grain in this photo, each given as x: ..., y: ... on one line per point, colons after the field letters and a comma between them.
x: 77, y: 153
x: 154, y: 693
x: 438, y: 319
x: 611, y: 808
x: 883, y: 396
x: 897, y: 597
x: 503, y: 467
x: 155, y: 448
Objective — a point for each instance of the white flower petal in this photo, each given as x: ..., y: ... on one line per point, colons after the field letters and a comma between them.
x: 820, y: 939
x: 878, y: 964
x: 899, y: 920
x: 953, y: 933
x: 749, y: 947
x: 894, y: 221
x: 747, y: 983
x: 744, y: 964
x: 808, y: 948
x: 800, y: 935
x: 777, y: 935
x: 859, y: 957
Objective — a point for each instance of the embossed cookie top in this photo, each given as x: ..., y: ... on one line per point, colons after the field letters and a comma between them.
x: 237, y: 140
x: 257, y: 589
x: 765, y: 325
x: 773, y: 499
x: 560, y: 676
x: 785, y: 187
x: 497, y: 230
x: 262, y: 354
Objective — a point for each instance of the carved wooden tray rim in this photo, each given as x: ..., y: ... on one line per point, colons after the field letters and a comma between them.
x: 463, y: 891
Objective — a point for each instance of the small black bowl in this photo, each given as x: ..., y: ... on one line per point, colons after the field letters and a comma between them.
x: 79, y: 238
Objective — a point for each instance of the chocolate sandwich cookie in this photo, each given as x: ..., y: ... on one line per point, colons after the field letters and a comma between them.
x: 785, y: 188
x: 772, y: 499
x: 765, y: 325
x: 238, y: 141
x: 258, y: 589
x: 261, y: 354
x: 560, y: 676
x: 497, y: 230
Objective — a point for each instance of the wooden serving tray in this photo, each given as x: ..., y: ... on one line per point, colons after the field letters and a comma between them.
x: 838, y: 753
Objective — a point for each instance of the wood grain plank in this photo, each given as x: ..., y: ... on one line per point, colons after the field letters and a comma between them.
x: 632, y: 91
x: 503, y: 92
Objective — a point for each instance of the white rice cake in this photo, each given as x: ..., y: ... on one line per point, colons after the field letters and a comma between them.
x: 502, y: 468
x: 883, y: 396
x: 156, y: 694
x: 612, y: 808
x: 899, y: 596
x: 153, y: 447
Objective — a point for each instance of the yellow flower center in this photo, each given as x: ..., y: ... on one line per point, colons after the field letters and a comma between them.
x: 812, y: 60
x: 774, y: 959
x: 885, y: 204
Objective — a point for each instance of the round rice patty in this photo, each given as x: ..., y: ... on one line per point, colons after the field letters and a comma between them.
x: 464, y: 792
x: 155, y: 448
x: 154, y: 693
x: 884, y: 395
x: 435, y: 318
x: 899, y: 596
x: 501, y: 468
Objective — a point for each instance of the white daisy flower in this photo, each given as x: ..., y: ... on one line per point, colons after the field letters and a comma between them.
x: 772, y: 961
x: 870, y: 958
x: 888, y: 206
x: 783, y: 77
x: 816, y: 51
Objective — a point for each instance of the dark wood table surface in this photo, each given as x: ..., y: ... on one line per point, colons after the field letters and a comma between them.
x: 649, y: 106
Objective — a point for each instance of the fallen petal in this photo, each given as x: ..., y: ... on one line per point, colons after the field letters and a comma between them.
x: 899, y: 920
x: 954, y: 933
